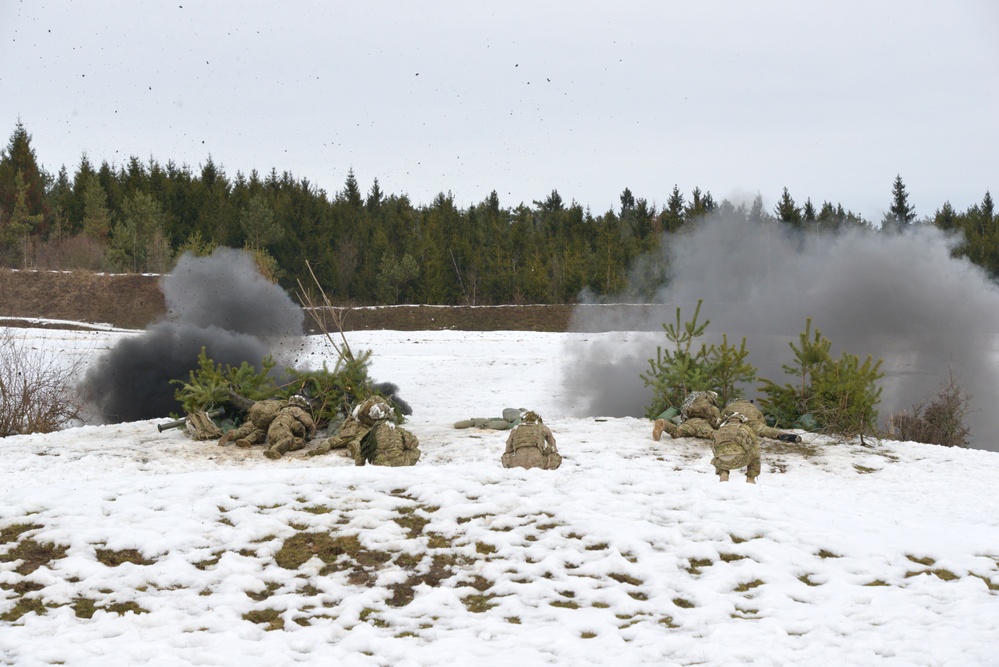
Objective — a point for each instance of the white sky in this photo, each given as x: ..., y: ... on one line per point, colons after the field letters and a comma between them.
x: 630, y: 553
x: 830, y: 99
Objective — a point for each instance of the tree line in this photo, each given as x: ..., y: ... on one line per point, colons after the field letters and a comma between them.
x: 379, y: 248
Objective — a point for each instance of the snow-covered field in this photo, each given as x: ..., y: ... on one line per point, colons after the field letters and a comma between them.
x: 121, y: 545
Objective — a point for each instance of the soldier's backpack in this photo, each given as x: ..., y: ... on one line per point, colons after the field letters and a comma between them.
x: 528, y: 448
x: 703, y: 404
x: 388, y: 445
x: 735, y: 444
x: 201, y: 427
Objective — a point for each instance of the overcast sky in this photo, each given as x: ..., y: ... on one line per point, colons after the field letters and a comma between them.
x: 830, y: 99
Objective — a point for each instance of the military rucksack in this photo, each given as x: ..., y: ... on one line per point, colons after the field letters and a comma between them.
x: 388, y: 445
x: 528, y: 448
x: 735, y: 443
x: 201, y: 427
x: 703, y: 404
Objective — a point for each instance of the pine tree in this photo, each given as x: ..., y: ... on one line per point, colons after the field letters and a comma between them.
x: 96, y: 216
x: 945, y: 217
x: 787, y: 211
x: 673, y: 217
x: 988, y: 208
x: 137, y: 239
x: 757, y: 213
x: 351, y: 193
x: 18, y: 159
x: 901, y: 214
x: 808, y: 212
x: 15, y: 228
x: 258, y: 225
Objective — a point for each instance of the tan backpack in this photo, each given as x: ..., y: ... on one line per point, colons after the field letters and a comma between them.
x: 527, y: 447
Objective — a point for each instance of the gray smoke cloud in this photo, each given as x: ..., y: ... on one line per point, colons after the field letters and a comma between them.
x: 220, y: 302
x: 899, y: 297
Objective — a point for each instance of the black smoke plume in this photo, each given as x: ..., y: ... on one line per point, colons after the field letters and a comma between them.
x: 221, y: 303
x: 900, y: 297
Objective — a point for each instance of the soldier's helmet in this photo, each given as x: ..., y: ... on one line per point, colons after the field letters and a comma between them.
x: 736, y: 416
x: 299, y: 401
x: 373, y: 410
x: 531, y: 417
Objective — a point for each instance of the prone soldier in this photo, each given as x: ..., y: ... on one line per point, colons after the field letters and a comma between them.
x: 370, y: 435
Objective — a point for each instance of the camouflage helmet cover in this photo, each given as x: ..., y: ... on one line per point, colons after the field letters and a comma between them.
x: 372, y: 410
x: 299, y: 401
x: 530, y: 417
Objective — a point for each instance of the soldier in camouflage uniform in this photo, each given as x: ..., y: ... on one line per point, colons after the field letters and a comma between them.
x: 699, y: 418
x: 755, y: 420
x: 388, y: 445
x: 253, y: 431
x: 735, y: 445
x: 370, y: 435
x: 286, y: 425
x: 290, y: 429
x: 531, y: 444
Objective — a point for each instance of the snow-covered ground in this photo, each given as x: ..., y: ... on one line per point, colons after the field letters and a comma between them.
x: 121, y: 545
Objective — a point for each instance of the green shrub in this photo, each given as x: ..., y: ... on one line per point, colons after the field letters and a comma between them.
x: 682, y: 368
x: 838, y: 395
x: 209, y: 385
x: 334, y: 393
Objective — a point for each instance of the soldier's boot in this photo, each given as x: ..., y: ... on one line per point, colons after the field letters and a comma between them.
x: 750, y: 480
x: 276, y: 451
x: 667, y: 427
x: 723, y: 476
x: 244, y: 443
x: 658, y: 428
x: 789, y: 437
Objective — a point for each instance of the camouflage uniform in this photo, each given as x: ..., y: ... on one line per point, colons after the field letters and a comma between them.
x: 735, y: 445
x: 353, y: 435
x: 347, y: 437
x: 258, y: 419
x: 703, y: 404
x: 695, y: 427
x: 388, y: 445
x: 288, y: 431
x: 699, y: 418
x: 755, y: 420
x: 531, y: 445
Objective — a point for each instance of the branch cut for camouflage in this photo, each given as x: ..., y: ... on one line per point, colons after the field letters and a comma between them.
x: 343, y: 350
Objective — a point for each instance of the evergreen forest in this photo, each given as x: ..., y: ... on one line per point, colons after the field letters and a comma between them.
x: 372, y: 247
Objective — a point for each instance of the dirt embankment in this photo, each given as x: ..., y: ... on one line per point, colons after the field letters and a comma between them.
x: 133, y: 301
x: 130, y: 301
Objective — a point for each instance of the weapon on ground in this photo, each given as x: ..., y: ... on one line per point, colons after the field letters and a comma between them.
x: 241, y: 403
x: 177, y: 423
